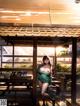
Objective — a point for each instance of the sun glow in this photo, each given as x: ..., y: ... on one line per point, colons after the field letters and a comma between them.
x: 59, y: 49
x: 50, y: 51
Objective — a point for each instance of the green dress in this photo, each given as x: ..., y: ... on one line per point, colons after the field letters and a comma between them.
x: 43, y: 76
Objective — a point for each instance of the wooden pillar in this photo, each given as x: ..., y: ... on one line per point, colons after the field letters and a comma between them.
x: 73, y: 72
x: 55, y: 61
x: 13, y: 57
x: 53, y: 103
x: 1, y: 56
x: 34, y: 70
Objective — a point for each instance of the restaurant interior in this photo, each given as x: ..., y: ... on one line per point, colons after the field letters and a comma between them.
x: 29, y: 30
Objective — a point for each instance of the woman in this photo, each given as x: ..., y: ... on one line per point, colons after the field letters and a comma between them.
x: 44, y: 75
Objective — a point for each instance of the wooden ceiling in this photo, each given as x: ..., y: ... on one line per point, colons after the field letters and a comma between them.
x: 40, y: 11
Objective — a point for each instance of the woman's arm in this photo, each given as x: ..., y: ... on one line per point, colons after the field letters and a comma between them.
x: 38, y: 68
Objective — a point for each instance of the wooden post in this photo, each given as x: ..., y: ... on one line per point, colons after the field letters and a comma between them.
x: 34, y: 70
x: 53, y: 103
x: 55, y: 61
x: 13, y: 57
x: 73, y: 72
x: 1, y: 55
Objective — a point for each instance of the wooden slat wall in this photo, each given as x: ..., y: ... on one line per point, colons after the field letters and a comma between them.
x: 53, y: 31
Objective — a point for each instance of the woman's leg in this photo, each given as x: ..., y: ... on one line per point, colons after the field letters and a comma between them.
x: 44, y: 88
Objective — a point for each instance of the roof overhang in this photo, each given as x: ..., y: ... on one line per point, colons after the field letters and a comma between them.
x: 26, y: 34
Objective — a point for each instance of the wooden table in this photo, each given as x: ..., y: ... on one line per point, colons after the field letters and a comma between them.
x: 22, y: 81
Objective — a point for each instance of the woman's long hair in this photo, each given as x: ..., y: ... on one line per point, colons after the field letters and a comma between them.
x: 44, y: 58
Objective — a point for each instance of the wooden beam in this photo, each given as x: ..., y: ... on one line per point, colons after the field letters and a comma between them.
x: 16, y: 69
x: 73, y: 71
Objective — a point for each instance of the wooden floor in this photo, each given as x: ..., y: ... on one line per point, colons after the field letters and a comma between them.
x: 24, y: 98
x: 17, y: 98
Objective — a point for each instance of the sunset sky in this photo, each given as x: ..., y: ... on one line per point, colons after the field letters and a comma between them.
x: 40, y: 11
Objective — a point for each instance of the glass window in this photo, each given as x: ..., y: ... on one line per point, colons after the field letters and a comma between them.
x: 23, y: 59
x: 6, y: 59
x: 7, y: 50
x: 23, y: 65
x: 20, y: 50
x: 48, y: 51
x: 7, y: 65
